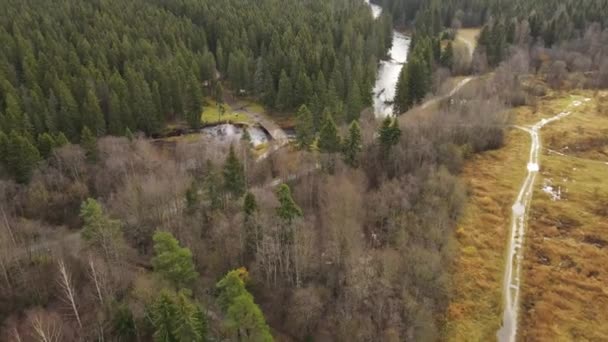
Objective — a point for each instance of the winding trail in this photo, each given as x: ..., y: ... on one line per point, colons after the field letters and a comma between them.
x: 512, y: 277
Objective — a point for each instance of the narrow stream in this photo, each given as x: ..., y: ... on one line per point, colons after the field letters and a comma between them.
x: 388, y: 72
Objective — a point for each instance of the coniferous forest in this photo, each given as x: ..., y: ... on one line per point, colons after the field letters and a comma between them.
x: 346, y: 230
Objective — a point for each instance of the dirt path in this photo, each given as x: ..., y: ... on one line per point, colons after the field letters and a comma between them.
x: 452, y: 92
x: 511, y: 285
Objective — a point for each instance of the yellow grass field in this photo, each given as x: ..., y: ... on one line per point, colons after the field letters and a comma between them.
x: 565, y: 270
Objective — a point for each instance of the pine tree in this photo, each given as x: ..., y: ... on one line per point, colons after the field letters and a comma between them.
x: 288, y: 210
x: 21, y: 157
x: 305, y: 134
x: 285, y: 93
x: 244, y: 317
x: 447, y: 57
x: 60, y: 140
x: 250, y: 205
x: 329, y: 141
x: 234, y: 175
x: 46, y: 143
x: 3, y: 147
x: 99, y: 231
x: 194, y: 103
x: 389, y: 134
x: 402, y: 102
x: 353, y: 145
x: 92, y: 116
x: 173, y: 262
x: 355, y: 104
x: 89, y: 144
x: 175, y: 317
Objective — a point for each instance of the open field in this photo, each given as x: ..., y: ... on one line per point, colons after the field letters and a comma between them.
x: 211, y: 115
x: 565, y: 293
x: 493, y: 179
x: 565, y: 269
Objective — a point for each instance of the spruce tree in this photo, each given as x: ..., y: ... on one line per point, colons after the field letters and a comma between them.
x: 305, y: 134
x: 89, y: 144
x: 354, y: 102
x: 329, y: 141
x: 234, y: 175
x: 3, y: 147
x: 60, y: 140
x: 389, y: 134
x: 353, y: 145
x: 285, y: 93
x: 21, y: 157
x: 194, y: 103
x: 447, y: 57
x: 46, y: 143
x: 288, y: 210
x: 402, y: 102
x: 92, y: 117
x: 173, y: 262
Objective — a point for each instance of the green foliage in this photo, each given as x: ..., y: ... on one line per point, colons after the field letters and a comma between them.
x: 173, y: 262
x: 288, y: 210
x: 389, y: 134
x: 243, y: 317
x: 305, y: 133
x: 89, y: 144
x: 92, y: 117
x: 329, y: 140
x: 234, y: 175
x: 285, y: 93
x: 250, y: 205
x: 194, y: 105
x: 98, y: 230
x: 447, y: 57
x: 123, y: 323
x: 177, y: 318
x: 46, y: 143
x: 3, y: 147
x: 21, y: 157
x: 61, y: 140
x: 353, y: 145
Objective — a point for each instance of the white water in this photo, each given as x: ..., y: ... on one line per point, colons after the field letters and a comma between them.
x: 511, y: 285
x: 229, y: 133
x: 388, y: 72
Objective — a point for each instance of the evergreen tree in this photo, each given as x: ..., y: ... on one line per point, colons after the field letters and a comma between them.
x: 4, y: 143
x: 177, y: 318
x: 288, y: 210
x: 353, y: 145
x: 329, y: 141
x: 99, y: 231
x: 46, y: 143
x: 402, y: 101
x: 354, y: 101
x: 92, y: 115
x: 447, y: 57
x: 194, y: 103
x: 244, y: 317
x: 305, y: 134
x: 60, y: 140
x: 21, y: 157
x: 250, y: 205
x: 285, y: 93
x: 173, y: 262
x: 89, y: 144
x: 389, y: 135
x: 234, y: 175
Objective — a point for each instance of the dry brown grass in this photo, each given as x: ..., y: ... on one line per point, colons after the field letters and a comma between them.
x: 493, y: 180
x: 565, y: 291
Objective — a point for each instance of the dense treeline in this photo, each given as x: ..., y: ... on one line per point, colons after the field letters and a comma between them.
x: 114, y: 65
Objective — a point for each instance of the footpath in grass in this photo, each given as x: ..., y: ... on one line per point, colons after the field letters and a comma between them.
x: 565, y: 269
x: 565, y: 284
x: 493, y: 179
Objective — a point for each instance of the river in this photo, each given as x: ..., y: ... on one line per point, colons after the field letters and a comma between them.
x: 389, y: 69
